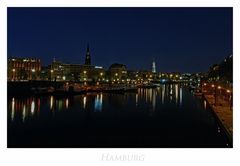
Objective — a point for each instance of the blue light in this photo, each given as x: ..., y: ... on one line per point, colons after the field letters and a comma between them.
x: 163, y: 80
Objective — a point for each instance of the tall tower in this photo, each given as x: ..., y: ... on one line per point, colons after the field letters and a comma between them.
x: 88, y: 57
x: 153, y: 67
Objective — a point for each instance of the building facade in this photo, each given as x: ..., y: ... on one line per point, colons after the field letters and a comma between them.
x: 24, y: 69
x: 117, y: 73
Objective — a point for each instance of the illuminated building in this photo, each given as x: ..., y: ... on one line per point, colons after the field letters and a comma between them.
x: 118, y: 72
x: 24, y: 69
x: 76, y: 72
x: 153, y: 67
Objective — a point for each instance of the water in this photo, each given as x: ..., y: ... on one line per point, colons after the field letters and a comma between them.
x: 169, y: 116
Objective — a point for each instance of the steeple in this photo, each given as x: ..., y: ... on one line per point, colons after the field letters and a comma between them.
x: 153, y: 66
x: 88, y: 57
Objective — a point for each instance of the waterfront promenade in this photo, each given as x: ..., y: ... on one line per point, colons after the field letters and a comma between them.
x: 223, y: 113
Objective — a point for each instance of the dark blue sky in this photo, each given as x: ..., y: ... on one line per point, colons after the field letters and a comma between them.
x: 179, y: 39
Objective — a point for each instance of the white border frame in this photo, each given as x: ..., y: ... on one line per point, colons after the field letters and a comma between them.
x: 166, y: 156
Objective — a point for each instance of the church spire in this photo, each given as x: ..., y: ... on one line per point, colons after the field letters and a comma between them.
x: 88, y: 57
x: 153, y: 66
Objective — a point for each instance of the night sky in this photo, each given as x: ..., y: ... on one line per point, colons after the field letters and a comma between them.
x: 179, y: 39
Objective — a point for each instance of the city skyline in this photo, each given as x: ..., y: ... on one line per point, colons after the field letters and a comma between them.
x: 129, y: 36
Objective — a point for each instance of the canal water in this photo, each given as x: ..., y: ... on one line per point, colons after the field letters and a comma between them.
x: 168, y: 116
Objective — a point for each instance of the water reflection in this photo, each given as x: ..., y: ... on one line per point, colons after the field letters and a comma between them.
x: 98, y: 102
x: 32, y: 107
x: 171, y: 92
x: 154, y: 100
x: 13, y: 111
x: 67, y: 102
x: 136, y: 96
x: 38, y: 105
x: 164, y: 93
x: 51, y: 102
x: 205, y: 104
x: 151, y: 99
x: 60, y: 105
x: 176, y: 93
x: 84, y: 102
x: 24, y: 113
x: 162, y: 104
x: 181, y: 96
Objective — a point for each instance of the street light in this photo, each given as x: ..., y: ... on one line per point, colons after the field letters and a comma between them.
x: 33, y: 71
x: 230, y: 98
x: 51, y: 74
x: 215, y: 94
x: 13, y: 70
x: 13, y: 73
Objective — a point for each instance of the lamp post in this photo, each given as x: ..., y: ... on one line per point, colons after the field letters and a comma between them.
x: 84, y: 77
x: 215, y: 94
x: 230, y: 98
x: 13, y: 76
x: 203, y: 87
x: 33, y: 73
x: 220, y: 92
x: 51, y: 75
x: 101, y: 74
x: 116, y: 77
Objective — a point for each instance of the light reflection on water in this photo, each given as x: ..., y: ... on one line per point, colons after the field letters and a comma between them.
x: 24, y: 113
x: 84, y: 102
x: 136, y: 96
x: 51, y: 102
x: 32, y: 107
x: 181, y: 96
x: 163, y: 93
x: 205, y: 104
x: 13, y: 111
x: 67, y: 102
x: 98, y: 102
x: 150, y: 97
x: 156, y: 108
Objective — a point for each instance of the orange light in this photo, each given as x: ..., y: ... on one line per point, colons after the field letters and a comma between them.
x: 219, y: 87
x: 204, y: 84
x: 228, y: 91
x: 213, y: 85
